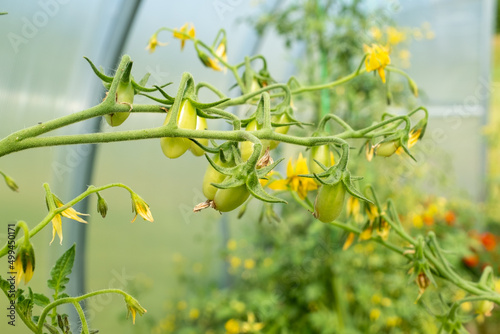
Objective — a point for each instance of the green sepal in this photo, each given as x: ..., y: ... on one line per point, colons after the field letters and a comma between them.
x: 52, y: 329
x: 144, y: 79
x: 205, y: 148
x: 167, y: 102
x: 204, y: 114
x: 230, y: 182
x: 351, y: 189
x: 169, y: 98
x: 142, y: 88
x: 200, y: 105
x: 127, y: 77
x: 257, y: 191
x: 220, y: 169
x: 236, y: 154
x: 262, y: 172
x: 408, y: 152
x: 101, y: 75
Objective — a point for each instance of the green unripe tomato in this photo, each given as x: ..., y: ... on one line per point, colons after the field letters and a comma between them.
x: 247, y: 146
x: 212, y: 176
x: 226, y: 200
x: 386, y: 149
x: 186, y: 119
x: 329, y: 202
x: 201, y: 124
x: 322, y: 154
x: 283, y: 118
x: 124, y: 94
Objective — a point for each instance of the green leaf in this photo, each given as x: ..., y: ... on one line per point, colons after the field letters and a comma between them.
x: 4, y: 285
x: 230, y: 182
x: 60, y: 271
x: 40, y: 299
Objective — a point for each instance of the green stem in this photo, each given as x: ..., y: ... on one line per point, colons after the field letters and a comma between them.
x: 85, y: 327
x: 71, y: 300
x: 54, y: 211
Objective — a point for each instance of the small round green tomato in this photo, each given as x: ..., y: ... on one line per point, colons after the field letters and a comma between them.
x: 247, y: 146
x: 186, y: 119
x: 322, y: 154
x: 201, y: 124
x: 212, y: 176
x: 229, y: 199
x: 386, y: 149
x: 124, y: 94
x: 329, y: 202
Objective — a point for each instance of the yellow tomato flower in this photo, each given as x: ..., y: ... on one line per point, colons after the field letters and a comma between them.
x: 232, y: 326
x: 221, y: 52
x: 153, y: 43
x: 374, y: 314
x: 134, y: 307
x: 26, y: 271
x: 348, y: 242
x: 209, y: 62
x: 68, y: 213
x: 141, y: 208
x: 395, y: 36
x: 293, y: 181
x: 377, y: 59
x: 250, y: 326
x: 183, y: 31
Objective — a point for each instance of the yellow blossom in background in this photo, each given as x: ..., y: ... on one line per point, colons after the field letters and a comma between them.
x: 393, y: 321
x: 153, y: 43
x: 374, y: 314
x: 197, y: 267
x: 235, y: 261
x: 249, y: 264
x: 181, y: 305
x: 395, y: 36
x: 377, y: 58
x: 417, y: 34
x: 348, y: 242
x: 232, y: 326
x: 376, y: 33
x: 417, y: 220
x: 267, y: 262
x: 194, y: 314
x: 404, y: 54
x: 187, y: 29
x: 251, y: 326
x: 231, y: 244
x: 301, y: 185
x: 386, y: 302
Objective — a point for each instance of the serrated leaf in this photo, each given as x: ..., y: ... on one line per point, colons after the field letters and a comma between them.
x: 4, y: 285
x: 257, y: 191
x: 60, y: 271
x: 40, y: 299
